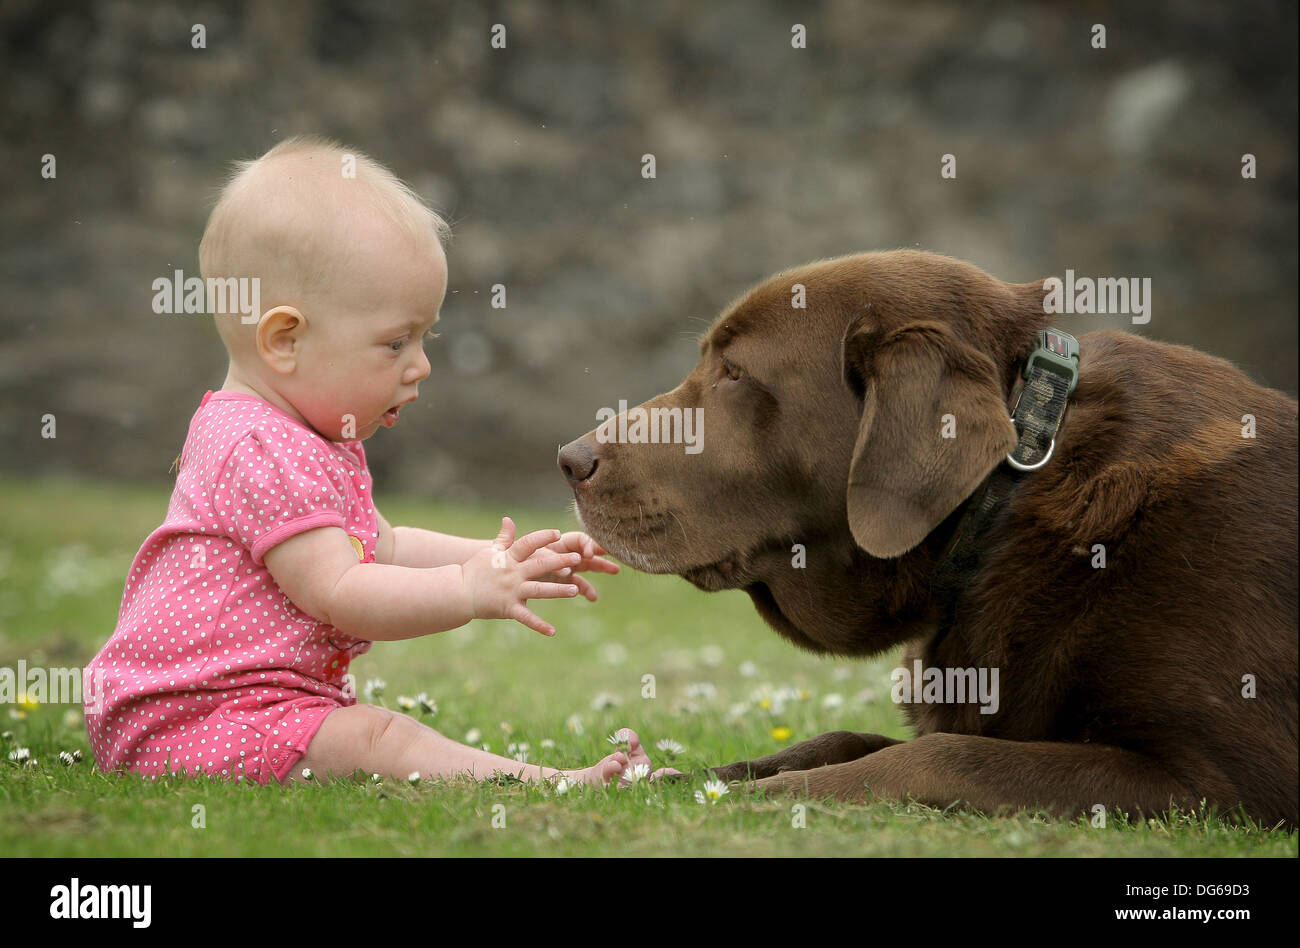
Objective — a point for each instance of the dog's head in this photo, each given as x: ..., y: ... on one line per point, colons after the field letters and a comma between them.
x: 839, y: 413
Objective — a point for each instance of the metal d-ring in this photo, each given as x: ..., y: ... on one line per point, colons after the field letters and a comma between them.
x: 1032, y: 467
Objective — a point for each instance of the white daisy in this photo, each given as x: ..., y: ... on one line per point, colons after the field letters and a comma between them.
x: 574, y: 724
x: 473, y: 736
x: 832, y: 701
x: 669, y: 747
x: 406, y: 703
x: 613, y: 654
x: 636, y: 774
x: 427, y: 704
x: 714, y: 790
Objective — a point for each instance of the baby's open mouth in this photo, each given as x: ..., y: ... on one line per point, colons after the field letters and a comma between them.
x: 390, y: 416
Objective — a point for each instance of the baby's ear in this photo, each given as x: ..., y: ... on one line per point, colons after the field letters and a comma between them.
x: 278, y: 333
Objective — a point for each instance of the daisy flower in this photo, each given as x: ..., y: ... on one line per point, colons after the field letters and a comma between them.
x: 605, y: 700
x: 702, y: 689
x: 636, y: 774
x: 406, y: 703
x: 832, y: 701
x: 413, y: 777
x: 374, y: 688
x: 748, y: 670
x: 621, y: 740
x: 473, y: 736
x: 613, y: 654
x: 669, y: 747
x: 20, y: 754
x: 574, y: 724
x: 714, y: 790
x: 427, y: 704
x: 737, y: 711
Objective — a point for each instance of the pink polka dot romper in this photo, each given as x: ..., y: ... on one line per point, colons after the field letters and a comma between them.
x: 211, y: 668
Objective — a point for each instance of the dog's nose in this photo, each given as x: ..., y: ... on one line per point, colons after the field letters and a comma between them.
x: 577, y: 461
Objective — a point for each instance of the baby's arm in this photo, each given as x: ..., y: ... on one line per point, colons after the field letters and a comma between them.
x: 319, y: 572
x: 422, y: 549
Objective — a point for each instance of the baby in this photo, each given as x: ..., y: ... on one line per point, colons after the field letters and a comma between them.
x: 273, y: 569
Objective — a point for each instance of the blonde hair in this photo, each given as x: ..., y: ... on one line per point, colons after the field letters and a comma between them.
x: 280, y: 217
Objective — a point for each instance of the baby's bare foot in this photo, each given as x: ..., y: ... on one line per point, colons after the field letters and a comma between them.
x: 621, y: 764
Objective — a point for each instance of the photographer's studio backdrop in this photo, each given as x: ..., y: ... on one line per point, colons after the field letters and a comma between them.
x: 623, y: 170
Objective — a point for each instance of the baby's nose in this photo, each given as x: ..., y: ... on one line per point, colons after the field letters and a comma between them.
x: 422, y: 368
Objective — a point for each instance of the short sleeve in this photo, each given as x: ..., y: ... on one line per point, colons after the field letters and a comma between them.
x: 272, y: 489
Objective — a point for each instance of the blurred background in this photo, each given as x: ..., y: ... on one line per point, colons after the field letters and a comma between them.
x: 1122, y: 161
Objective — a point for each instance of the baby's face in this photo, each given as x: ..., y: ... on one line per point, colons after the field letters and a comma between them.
x: 362, y: 354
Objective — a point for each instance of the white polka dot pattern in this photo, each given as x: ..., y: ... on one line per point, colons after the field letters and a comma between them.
x: 212, y: 669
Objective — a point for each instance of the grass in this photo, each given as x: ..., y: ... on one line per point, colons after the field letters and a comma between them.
x: 65, y: 548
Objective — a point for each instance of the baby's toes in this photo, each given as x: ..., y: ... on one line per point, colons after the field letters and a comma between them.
x: 606, y: 770
x: 635, y: 752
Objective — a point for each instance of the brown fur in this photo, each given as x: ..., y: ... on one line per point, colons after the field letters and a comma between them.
x: 1120, y: 686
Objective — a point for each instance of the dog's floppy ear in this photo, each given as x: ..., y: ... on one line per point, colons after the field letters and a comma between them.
x: 906, y: 476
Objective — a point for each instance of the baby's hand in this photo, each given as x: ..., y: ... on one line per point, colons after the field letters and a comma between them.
x: 576, y: 542
x: 502, y: 578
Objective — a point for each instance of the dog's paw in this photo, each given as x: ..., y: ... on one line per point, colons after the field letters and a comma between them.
x: 730, y: 773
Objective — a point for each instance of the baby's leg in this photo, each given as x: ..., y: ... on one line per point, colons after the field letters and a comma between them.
x: 375, y: 740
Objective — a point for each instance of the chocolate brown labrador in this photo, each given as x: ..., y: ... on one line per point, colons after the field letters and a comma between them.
x: 1136, y: 595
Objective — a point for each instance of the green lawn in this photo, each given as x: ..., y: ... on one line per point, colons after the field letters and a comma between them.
x: 65, y: 548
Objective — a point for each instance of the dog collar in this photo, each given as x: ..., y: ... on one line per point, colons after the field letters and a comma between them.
x: 1051, y: 374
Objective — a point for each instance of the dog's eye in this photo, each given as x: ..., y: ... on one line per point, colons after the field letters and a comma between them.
x: 732, y: 372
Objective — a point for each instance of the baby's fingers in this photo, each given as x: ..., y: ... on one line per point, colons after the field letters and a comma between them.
x: 525, y: 616
x: 599, y: 565
x: 547, y: 562
x: 506, y: 536
x: 584, y: 587
x: 547, y: 591
x: 527, y: 545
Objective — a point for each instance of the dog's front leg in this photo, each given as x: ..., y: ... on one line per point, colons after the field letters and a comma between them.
x: 991, y: 774
x: 833, y: 747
